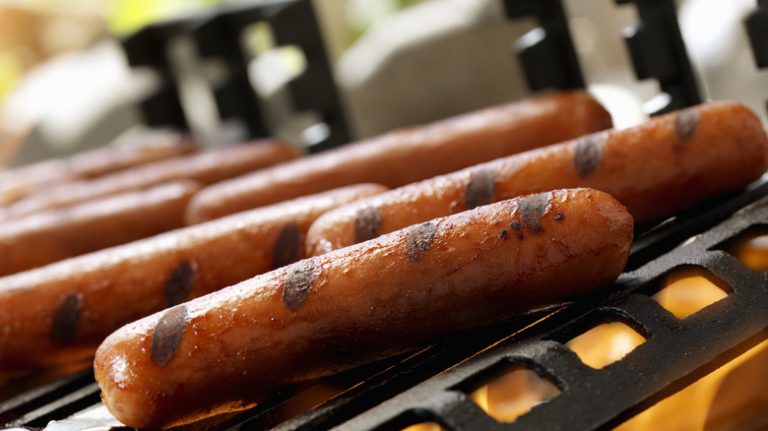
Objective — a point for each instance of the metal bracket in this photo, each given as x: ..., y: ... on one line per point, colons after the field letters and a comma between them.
x: 658, y: 52
x: 547, y: 53
x: 147, y: 48
x: 292, y: 22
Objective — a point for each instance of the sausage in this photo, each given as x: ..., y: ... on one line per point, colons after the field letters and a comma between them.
x: 95, y: 163
x: 205, y: 168
x: 18, y: 183
x: 59, y: 234
x: 409, y: 155
x: 325, y: 314
x: 59, y: 313
x: 656, y: 169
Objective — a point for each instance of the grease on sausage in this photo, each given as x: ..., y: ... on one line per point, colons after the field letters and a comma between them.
x: 656, y: 169
x: 409, y: 155
x: 121, y: 284
x: 328, y: 313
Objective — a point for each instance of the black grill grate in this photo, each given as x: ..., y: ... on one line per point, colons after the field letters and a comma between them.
x: 676, y: 353
x: 428, y: 385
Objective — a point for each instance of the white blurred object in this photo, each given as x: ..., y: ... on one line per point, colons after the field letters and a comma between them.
x: 68, y: 98
x: 719, y: 48
x: 431, y: 61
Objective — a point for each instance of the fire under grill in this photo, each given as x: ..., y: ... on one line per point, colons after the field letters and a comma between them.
x: 448, y: 385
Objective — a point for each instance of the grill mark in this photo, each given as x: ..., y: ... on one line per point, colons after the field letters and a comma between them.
x: 367, y: 224
x: 686, y: 123
x: 179, y: 283
x: 167, y: 335
x: 287, y: 246
x: 297, y: 283
x: 532, y: 209
x: 588, y: 154
x: 479, y: 190
x: 420, y: 240
x: 66, y: 320
x: 515, y: 226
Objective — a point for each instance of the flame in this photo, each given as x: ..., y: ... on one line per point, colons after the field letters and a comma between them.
x: 426, y: 426
x: 752, y: 251
x: 725, y: 399
x: 686, y: 291
x: 605, y: 344
x: 513, y: 394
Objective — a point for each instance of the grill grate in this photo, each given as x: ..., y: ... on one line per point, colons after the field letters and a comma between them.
x: 676, y: 353
x: 416, y: 387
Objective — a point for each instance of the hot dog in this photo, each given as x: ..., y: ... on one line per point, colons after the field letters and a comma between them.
x: 655, y: 169
x: 60, y: 312
x: 18, y: 183
x: 205, y: 168
x: 409, y: 155
x: 56, y: 235
x: 325, y: 314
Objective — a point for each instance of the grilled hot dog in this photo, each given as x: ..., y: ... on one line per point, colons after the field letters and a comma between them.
x: 655, y: 169
x: 205, y: 168
x: 59, y: 313
x: 18, y: 183
x: 409, y: 155
x: 324, y: 314
x: 55, y: 235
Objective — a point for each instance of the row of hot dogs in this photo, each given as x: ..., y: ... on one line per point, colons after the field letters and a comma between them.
x: 375, y: 271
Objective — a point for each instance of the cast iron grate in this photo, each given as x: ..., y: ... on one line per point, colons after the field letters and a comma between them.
x: 416, y: 387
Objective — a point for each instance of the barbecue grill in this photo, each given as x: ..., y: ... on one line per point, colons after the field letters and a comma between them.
x: 440, y: 386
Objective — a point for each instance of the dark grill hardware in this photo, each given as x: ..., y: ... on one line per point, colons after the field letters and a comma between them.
x: 676, y: 353
x: 416, y: 388
x: 658, y: 51
x: 147, y: 49
x: 292, y: 22
x: 546, y: 53
x: 218, y: 34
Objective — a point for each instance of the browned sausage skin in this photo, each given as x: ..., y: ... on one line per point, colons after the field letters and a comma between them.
x: 55, y: 235
x: 20, y: 182
x: 60, y: 312
x: 330, y: 312
x: 206, y: 168
x: 409, y: 155
x: 655, y: 169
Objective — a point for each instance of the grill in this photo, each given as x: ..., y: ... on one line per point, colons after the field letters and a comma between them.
x: 435, y: 384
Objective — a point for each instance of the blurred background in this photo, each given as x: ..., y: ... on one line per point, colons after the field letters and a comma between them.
x: 65, y: 84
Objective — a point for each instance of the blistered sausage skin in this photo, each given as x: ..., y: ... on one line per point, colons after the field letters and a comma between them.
x: 328, y: 313
x: 59, y: 313
x: 20, y: 182
x: 409, y: 155
x: 656, y: 169
x: 206, y: 168
x: 55, y: 235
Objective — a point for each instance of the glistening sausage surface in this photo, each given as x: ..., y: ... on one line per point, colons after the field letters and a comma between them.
x: 409, y: 155
x: 20, y: 182
x: 327, y: 313
x: 206, y: 168
x: 55, y: 235
x: 60, y: 312
x: 656, y: 169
